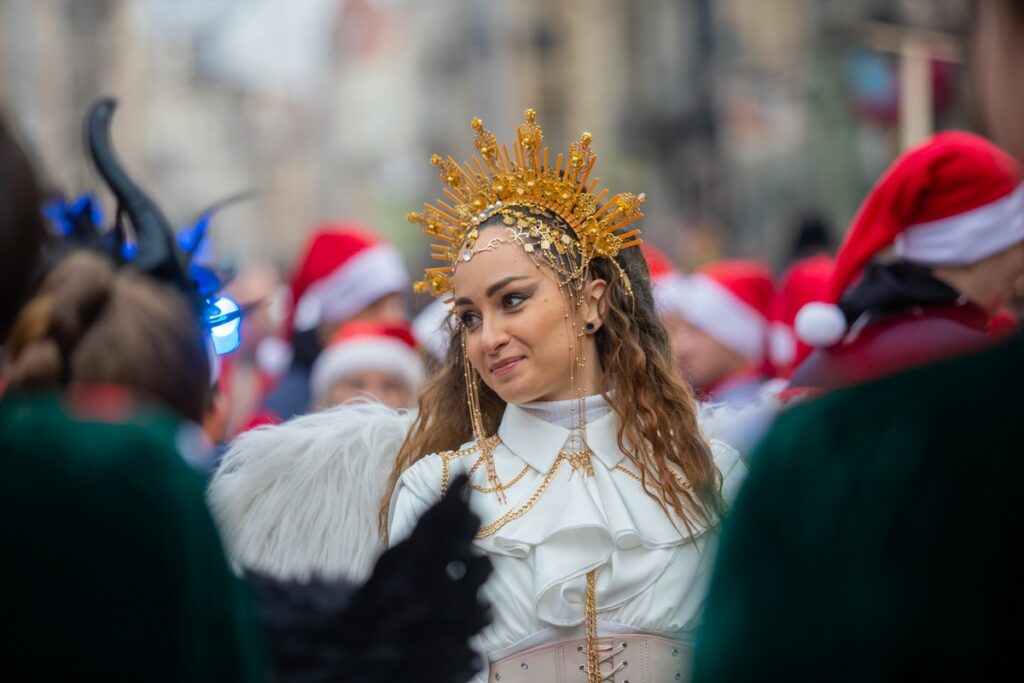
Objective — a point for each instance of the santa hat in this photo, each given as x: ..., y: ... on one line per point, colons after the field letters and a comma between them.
x: 954, y: 200
x: 805, y: 281
x: 343, y: 270
x: 667, y: 282
x: 430, y: 329
x: 731, y: 301
x: 368, y: 346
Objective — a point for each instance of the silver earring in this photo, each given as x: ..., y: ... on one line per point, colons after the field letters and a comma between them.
x: 590, y: 328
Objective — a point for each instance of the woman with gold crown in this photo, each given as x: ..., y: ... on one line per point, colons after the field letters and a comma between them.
x: 599, y: 494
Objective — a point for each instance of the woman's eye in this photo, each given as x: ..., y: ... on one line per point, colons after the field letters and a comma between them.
x: 469, y: 319
x: 513, y: 300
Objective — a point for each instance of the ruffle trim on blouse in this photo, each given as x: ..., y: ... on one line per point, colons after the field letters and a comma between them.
x: 602, y: 520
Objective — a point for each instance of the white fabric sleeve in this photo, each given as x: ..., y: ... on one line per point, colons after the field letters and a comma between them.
x: 730, y: 464
x: 418, y: 488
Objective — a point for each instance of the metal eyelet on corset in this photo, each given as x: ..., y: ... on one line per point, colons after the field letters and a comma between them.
x: 582, y: 668
x: 678, y: 675
x: 579, y: 649
x: 497, y: 677
x: 675, y: 653
x: 624, y: 645
x: 624, y: 664
x: 525, y: 666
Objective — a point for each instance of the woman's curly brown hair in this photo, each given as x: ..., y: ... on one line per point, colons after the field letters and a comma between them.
x: 642, y: 384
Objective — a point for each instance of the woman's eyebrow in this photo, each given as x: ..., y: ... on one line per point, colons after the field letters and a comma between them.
x: 504, y: 282
x: 497, y: 286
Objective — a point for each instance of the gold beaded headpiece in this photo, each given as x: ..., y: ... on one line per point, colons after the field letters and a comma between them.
x: 494, y: 182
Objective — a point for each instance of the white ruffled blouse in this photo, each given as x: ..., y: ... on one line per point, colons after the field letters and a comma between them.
x: 651, y: 576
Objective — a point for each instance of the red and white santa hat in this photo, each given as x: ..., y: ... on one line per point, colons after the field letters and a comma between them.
x: 731, y: 300
x: 805, y: 281
x: 667, y: 281
x: 362, y: 345
x: 954, y: 200
x: 344, y: 269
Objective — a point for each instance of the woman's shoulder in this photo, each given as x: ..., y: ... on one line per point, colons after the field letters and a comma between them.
x: 433, y: 471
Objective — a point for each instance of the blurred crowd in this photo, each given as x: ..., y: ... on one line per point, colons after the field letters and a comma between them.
x: 849, y: 381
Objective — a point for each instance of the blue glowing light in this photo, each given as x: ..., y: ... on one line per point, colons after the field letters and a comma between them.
x: 226, y: 335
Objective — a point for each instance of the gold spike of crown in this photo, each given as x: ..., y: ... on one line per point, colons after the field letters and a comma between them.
x: 495, y: 180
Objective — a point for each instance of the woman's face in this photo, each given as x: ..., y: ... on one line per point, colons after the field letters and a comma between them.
x: 518, y: 336
x: 389, y: 388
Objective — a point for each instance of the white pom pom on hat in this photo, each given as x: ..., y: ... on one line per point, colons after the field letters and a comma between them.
x: 820, y: 324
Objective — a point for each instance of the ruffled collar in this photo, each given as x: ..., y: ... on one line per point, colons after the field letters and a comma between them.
x: 538, y: 442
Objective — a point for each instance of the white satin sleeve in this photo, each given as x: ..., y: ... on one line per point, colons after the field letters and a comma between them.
x: 418, y: 488
x: 731, y: 466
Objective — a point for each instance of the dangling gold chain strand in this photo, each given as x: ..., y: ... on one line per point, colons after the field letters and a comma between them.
x: 476, y: 418
x: 590, y: 614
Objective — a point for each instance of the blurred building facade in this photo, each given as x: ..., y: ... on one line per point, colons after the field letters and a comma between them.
x: 734, y: 116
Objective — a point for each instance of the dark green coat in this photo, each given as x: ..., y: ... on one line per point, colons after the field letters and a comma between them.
x: 112, y: 566
x: 880, y: 535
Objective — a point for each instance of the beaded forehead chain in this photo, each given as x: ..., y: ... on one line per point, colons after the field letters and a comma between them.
x: 498, y: 183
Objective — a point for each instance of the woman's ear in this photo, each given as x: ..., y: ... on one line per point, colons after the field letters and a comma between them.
x: 594, y: 305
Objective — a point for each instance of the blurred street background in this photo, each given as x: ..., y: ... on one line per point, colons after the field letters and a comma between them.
x: 741, y: 119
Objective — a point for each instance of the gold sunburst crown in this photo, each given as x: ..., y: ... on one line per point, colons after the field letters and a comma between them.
x: 495, y: 180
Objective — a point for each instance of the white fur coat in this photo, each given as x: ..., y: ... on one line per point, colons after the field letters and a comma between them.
x: 301, y: 498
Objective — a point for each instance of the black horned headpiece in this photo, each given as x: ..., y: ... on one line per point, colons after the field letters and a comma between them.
x: 151, y: 245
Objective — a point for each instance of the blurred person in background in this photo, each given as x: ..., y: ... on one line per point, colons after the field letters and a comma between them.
x: 722, y: 346
x: 718, y: 325
x: 105, y: 368
x: 120, y: 573
x: 345, y: 274
x: 951, y: 210
x: 889, y: 556
x: 117, y: 563
x: 249, y: 372
x: 370, y: 361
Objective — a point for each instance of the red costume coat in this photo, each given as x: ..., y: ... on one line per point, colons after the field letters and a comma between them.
x: 895, y: 343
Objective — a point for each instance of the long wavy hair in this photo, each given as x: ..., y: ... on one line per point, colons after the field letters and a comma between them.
x: 656, y: 409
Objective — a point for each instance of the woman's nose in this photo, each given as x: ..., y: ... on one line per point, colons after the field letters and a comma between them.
x: 492, y: 334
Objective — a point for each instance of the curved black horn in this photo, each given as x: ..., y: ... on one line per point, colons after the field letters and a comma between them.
x: 158, y: 253
x: 202, y: 222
